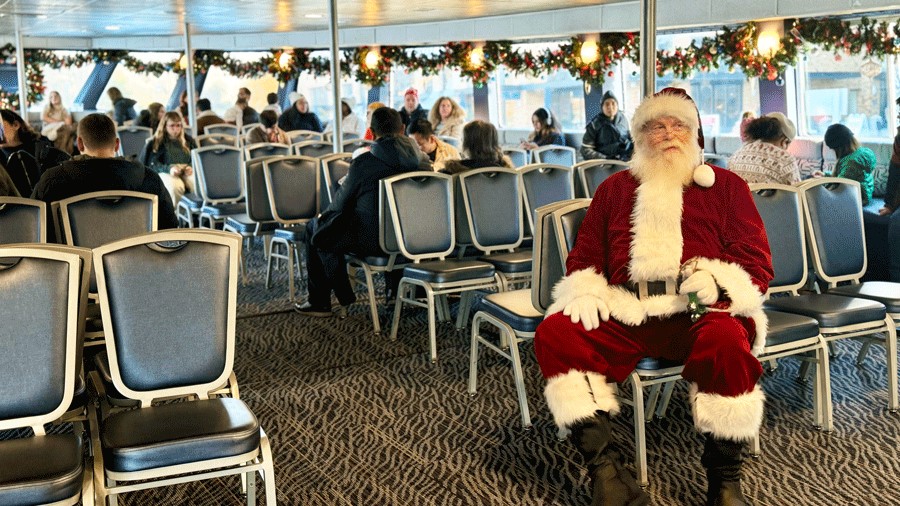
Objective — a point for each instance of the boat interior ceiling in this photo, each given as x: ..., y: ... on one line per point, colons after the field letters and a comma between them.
x: 262, y: 24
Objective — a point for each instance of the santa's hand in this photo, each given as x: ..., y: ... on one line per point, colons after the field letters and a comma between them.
x: 588, y: 310
x: 704, y: 285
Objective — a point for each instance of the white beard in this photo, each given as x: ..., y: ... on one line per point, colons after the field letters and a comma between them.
x: 653, y: 163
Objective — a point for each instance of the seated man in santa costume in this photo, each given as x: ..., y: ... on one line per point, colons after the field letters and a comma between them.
x: 671, y: 262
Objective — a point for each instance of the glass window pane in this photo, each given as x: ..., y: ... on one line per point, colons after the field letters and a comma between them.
x: 221, y: 88
x: 143, y: 88
x: 848, y: 89
x: 68, y: 81
x: 447, y: 83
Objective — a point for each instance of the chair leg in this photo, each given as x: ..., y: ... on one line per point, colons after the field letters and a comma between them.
x: 290, y: 269
x: 666, y: 397
x: 461, y: 312
x: 432, y: 323
x: 474, y: 344
x: 269, y: 261
x: 373, y: 301
x: 250, y: 479
x: 755, y: 449
x: 402, y: 288
x: 826, y: 405
x: 269, y: 469
x: 652, y: 400
x: 519, y: 379
x: 890, y: 348
x: 863, y: 351
x: 640, y: 436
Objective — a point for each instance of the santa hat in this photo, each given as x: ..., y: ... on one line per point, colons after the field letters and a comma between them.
x: 673, y: 103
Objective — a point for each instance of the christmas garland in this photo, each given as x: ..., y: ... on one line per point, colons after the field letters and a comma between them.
x: 731, y: 47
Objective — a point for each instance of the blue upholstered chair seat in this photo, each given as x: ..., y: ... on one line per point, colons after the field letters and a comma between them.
x: 172, y: 434
x: 514, y: 308
x: 40, y: 470
x: 786, y: 328
x: 193, y: 201
x: 510, y: 263
x: 655, y: 364
x: 293, y: 234
x: 830, y: 310
x: 224, y: 209
x: 242, y: 224
x: 448, y: 271
x: 880, y: 291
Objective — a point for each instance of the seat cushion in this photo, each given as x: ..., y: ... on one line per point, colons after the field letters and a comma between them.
x: 224, y: 209
x: 40, y: 470
x: 786, y: 328
x: 293, y: 234
x: 510, y: 263
x: 242, y: 224
x: 881, y: 291
x: 830, y: 310
x: 449, y: 271
x: 192, y: 201
x: 655, y: 364
x: 514, y: 308
x: 172, y: 434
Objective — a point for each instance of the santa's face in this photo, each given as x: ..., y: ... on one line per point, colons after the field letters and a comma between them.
x: 667, y: 150
x: 667, y: 135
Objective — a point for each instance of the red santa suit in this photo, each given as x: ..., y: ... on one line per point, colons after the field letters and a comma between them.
x: 648, y: 230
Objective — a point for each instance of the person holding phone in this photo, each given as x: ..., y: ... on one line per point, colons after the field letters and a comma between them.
x: 546, y: 130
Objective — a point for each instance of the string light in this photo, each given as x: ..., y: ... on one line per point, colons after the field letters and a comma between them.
x: 372, y: 58
x: 590, y: 51
x: 767, y: 43
x: 284, y: 60
x: 476, y: 57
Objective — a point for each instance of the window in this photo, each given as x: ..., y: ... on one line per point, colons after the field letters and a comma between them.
x: 848, y: 89
x: 447, y: 83
x: 67, y: 81
x: 521, y: 95
x: 143, y: 88
x: 221, y: 88
x: 317, y: 91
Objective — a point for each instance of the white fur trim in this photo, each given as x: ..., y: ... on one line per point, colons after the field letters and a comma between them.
x: 736, y: 418
x: 665, y: 104
x: 762, y: 329
x: 576, y: 396
x: 623, y: 305
x: 656, y: 243
x: 704, y: 176
x: 745, y: 297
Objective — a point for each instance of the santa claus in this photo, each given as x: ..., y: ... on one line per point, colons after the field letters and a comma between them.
x: 672, y: 262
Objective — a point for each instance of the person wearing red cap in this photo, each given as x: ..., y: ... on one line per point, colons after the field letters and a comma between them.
x: 671, y: 261
x: 412, y: 110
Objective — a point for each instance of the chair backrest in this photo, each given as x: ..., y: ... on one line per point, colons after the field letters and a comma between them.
x: 590, y: 173
x: 297, y: 136
x: 519, y: 156
x: 549, y: 252
x: 351, y: 145
x: 781, y: 210
x: 132, y: 139
x: 558, y: 155
x: 39, y: 306
x: 250, y: 126
x: 216, y: 140
x: 94, y: 219
x: 453, y: 141
x: 422, y: 209
x: 834, y: 220
x: 222, y: 128
x: 313, y: 148
x: 492, y: 201
x: 261, y: 149
x: 22, y: 220
x: 292, y: 188
x: 329, y: 136
x: 163, y: 342
x: 543, y: 184
x: 257, y: 202
x: 387, y: 235
x: 334, y: 167
x: 220, y: 173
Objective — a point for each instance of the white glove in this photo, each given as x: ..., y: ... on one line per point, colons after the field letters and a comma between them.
x: 704, y: 285
x: 588, y: 310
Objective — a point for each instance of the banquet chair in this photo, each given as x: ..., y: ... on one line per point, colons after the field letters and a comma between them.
x: 22, y: 220
x: 590, y: 173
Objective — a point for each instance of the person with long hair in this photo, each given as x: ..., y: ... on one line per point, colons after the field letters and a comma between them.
x: 764, y: 158
x: 169, y: 155
x: 17, y: 135
x: 123, y: 108
x: 57, y: 123
x: 854, y: 161
x: 447, y: 118
x: 481, y: 148
x: 369, y: 136
x: 546, y: 130
x: 151, y: 116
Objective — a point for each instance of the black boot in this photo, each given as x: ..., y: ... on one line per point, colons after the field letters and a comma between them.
x: 611, y: 484
x: 722, y: 460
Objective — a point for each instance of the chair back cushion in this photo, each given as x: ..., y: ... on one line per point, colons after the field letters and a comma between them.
x: 120, y: 216
x: 219, y: 172
x: 261, y: 150
x: 293, y: 186
x: 780, y: 210
x: 591, y: 175
x: 519, y: 157
x: 221, y: 128
x: 334, y: 170
x: 836, y: 227
x: 314, y: 148
x: 424, y: 210
x: 494, y: 207
x: 387, y: 236
x: 132, y: 139
x: 558, y: 155
x: 258, y: 208
x: 22, y: 220
x: 545, y: 184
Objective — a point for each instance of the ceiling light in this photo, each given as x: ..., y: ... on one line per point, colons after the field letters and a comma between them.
x: 313, y: 16
x: 112, y: 28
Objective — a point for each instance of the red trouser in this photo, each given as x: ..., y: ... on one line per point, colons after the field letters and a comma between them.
x: 715, y: 350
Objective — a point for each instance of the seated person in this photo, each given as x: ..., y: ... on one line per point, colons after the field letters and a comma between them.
x: 206, y: 116
x: 98, y: 169
x: 764, y: 158
x: 268, y: 130
x: 447, y: 118
x: 151, y: 116
x: 298, y: 116
x: 169, y: 155
x: 412, y: 110
x: 57, y: 122
x: 123, y: 108
x: 272, y: 103
x: 546, y: 130
x: 368, y: 135
x: 248, y: 114
x: 18, y: 136
x: 481, y: 147
x: 357, y: 203
x: 349, y: 121
x: 607, y: 136
x: 854, y: 162
x: 438, y: 151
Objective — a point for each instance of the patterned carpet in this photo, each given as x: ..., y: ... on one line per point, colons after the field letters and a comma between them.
x: 358, y: 419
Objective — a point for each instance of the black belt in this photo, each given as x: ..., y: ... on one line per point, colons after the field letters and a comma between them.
x: 653, y: 288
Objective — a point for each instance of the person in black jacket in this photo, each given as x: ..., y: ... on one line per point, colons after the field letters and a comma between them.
x: 25, y: 153
x: 299, y: 117
x: 98, y: 169
x: 607, y: 135
x: 357, y: 203
x: 412, y: 110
